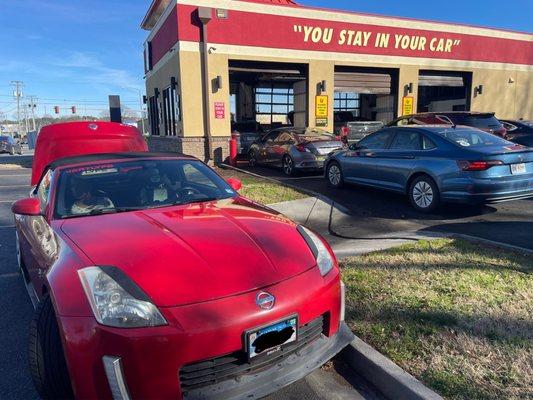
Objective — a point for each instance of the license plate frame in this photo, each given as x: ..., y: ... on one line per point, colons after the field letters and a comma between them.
x: 251, y: 335
x: 519, y: 168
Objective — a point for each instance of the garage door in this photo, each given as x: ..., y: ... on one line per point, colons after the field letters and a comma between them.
x: 358, y: 82
x: 440, y: 80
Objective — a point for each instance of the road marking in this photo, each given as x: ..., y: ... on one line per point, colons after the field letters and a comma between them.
x: 14, y: 175
x: 14, y: 186
x: 7, y: 201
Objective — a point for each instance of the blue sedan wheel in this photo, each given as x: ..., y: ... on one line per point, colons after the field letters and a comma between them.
x: 424, y: 194
x: 334, y: 175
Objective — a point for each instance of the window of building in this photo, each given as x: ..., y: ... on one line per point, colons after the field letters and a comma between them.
x: 347, y: 101
x: 272, y: 104
x: 171, y: 110
x: 153, y: 114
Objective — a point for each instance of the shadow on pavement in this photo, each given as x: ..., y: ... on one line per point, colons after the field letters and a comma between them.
x: 515, y: 233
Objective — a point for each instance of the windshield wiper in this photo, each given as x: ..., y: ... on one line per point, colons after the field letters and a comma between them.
x: 178, y: 202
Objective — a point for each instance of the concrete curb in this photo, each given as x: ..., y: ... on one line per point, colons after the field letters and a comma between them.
x: 392, y: 381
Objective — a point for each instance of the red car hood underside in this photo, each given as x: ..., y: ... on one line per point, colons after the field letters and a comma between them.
x: 188, y: 254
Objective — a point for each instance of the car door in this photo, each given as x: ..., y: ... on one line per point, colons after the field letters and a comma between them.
x: 358, y: 162
x: 394, y: 164
x: 38, y: 243
x: 276, y: 150
x: 263, y: 148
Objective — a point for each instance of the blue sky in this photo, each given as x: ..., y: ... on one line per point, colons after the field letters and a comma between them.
x: 77, y: 52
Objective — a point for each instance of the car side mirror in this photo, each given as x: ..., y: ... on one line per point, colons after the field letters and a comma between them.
x: 353, y: 147
x: 29, y: 206
x: 235, y: 184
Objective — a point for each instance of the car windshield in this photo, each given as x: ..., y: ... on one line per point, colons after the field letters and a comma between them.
x: 472, y: 138
x: 136, y: 185
x: 482, y: 121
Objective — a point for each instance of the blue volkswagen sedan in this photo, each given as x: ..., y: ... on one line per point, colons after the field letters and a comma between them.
x: 436, y: 163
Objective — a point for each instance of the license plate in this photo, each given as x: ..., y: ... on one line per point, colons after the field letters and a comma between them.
x: 269, y: 339
x: 518, y: 168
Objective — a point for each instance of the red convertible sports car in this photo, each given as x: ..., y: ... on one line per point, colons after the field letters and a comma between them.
x: 153, y: 278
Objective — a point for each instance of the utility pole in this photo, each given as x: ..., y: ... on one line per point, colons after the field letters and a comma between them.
x: 32, y: 106
x: 17, y: 93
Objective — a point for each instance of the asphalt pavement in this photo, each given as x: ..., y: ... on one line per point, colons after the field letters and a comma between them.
x: 335, y: 381
x: 374, y: 214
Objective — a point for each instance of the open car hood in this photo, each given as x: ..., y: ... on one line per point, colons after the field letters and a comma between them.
x: 199, y: 252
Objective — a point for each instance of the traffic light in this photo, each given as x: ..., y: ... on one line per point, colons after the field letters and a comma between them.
x: 73, y: 109
x: 56, y: 109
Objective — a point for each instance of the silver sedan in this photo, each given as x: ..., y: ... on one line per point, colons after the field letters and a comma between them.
x: 293, y: 149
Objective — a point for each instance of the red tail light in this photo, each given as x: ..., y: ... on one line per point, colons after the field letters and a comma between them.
x: 345, y: 130
x: 301, y: 147
x: 478, y: 165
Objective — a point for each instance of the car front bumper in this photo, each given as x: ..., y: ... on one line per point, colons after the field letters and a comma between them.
x: 151, y: 360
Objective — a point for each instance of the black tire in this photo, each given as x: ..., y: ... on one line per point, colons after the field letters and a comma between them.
x: 252, y: 160
x: 334, y: 175
x: 48, y: 367
x: 287, y: 165
x: 424, y: 194
x: 12, y: 151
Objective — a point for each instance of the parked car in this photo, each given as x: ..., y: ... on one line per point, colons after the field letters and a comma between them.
x: 517, y: 128
x: 293, y: 149
x: 524, y: 140
x: 485, y: 121
x: 153, y: 278
x: 352, y: 129
x: 10, y: 145
x: 434, y: 164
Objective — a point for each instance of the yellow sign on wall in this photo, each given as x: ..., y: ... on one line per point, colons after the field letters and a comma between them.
x: 321, y: 106
x: 407, y: 105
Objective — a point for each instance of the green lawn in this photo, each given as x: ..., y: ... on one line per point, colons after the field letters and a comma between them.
x: 261, y: 190
x: 456, y: 315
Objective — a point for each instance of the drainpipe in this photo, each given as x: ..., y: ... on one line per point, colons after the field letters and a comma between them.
x: 205, y: 15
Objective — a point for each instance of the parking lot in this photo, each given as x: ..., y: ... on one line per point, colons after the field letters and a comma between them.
x: 376, y: 214
x: 334, y: 381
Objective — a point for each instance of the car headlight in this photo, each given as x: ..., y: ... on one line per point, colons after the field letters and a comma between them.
x: 116, y: 300
x: 324, y: 259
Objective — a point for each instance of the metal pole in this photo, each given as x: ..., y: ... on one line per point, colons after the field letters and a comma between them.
x: 32, y: 109
x: 207, y: 103
x: 141, y: 106
x: 17, y: 93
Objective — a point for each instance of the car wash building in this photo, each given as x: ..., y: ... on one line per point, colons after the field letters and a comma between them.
x: 214, y: 66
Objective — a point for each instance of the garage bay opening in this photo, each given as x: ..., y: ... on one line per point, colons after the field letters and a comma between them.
x: 265, y: 96
x: 365, y: 99
x: 441, y: 91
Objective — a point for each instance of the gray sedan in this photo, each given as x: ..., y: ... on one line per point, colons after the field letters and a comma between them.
x: 293, y: 149
x: 10, y: 145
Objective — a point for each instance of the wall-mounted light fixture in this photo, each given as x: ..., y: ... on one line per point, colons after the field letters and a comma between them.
x: 322, y: 86
x: 218, y: 83
x: 511, y: 79
x: 478, y: 90
x: 408, y: 89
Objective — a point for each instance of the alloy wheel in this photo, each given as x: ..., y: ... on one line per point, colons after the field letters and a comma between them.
x: 423, y: 194
x: 334, y: 175
x: 288, y: 165
x: 251, y: 159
